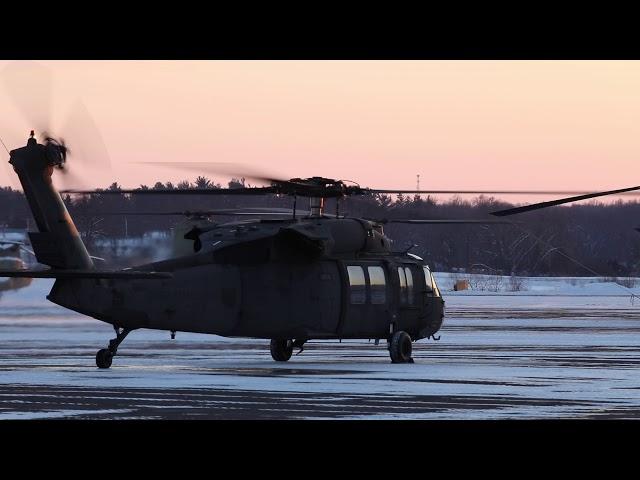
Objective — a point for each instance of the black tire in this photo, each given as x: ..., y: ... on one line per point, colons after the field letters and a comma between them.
x: 281, y: 350
x: 400, y: 348
x: 104, y: 358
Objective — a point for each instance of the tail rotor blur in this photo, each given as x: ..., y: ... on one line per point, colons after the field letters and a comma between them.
x: 30, y: 86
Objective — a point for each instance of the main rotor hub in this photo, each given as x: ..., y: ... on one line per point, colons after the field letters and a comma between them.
x: 319, y: 187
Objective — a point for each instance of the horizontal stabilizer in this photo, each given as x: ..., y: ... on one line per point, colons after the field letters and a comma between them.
x: 88, y: 274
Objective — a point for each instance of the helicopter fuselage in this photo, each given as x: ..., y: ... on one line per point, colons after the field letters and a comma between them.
x: 316, y: 278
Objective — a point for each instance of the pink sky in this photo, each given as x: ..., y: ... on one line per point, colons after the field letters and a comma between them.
x: 459, y: 124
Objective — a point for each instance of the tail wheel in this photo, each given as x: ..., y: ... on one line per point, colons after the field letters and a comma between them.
x: 400, y: 348
x: 281, y: 350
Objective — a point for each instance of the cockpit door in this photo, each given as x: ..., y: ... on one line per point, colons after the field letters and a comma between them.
x: 427, y: 291
x: 411, y: 303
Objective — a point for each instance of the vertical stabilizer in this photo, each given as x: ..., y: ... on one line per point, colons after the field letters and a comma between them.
x: 57, y: 242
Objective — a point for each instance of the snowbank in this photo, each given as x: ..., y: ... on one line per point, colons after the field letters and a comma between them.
x: 502, y: 285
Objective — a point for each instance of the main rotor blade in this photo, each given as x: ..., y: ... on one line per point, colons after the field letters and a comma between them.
x: 479, y: 192
x: 443, y: 221
x: 179, y: 191
x: 232, y: 169
x: 552, y: 203
x: 205, y: 213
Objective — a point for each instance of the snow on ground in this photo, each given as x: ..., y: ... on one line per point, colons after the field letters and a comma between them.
x: 540, y: 292
x: 31, y: 303
x: 501, y: 285
x: 499, y: 356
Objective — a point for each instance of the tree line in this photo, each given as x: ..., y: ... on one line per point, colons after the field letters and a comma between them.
x: 582, y: 239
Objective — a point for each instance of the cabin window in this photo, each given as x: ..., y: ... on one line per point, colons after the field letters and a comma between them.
x: 427, y: 280
x: 378, y: 285
x: 407, y: 272
x: 357, y: 284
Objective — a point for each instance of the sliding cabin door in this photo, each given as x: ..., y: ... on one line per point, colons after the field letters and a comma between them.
x: 366, y: 300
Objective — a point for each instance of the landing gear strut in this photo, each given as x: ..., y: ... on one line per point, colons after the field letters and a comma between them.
x: 105, y: 356
x: 299, y: 344
x: 400, y: 347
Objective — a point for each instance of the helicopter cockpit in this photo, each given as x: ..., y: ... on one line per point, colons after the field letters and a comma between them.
x: 430, y: 282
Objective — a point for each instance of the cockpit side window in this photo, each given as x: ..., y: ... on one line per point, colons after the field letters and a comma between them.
x: 357, y: 284
x: 436, y: 290
x: 409, y: 276
x: 403, y: 286
x: 427, y: 280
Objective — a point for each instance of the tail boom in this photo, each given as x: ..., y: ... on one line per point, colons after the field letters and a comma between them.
x: 57, y: 242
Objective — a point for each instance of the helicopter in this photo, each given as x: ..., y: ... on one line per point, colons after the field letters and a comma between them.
x: 288, y: 280
x: 10, y: 259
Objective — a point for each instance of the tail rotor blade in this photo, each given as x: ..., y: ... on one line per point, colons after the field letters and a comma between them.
x: 68, y: 179
x: 88, y: 157
x: 30, y: 86
x: 10, y: 175
x: 89, y: 148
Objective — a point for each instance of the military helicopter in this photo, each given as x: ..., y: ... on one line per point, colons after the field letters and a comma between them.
x: 288, y: 280
x: 10, y: 259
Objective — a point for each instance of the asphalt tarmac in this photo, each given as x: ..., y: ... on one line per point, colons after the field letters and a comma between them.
x: 493, y: 361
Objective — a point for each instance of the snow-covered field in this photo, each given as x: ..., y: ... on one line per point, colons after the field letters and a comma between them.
x: 561, y: 348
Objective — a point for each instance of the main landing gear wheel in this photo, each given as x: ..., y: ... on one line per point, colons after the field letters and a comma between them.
x: 281, y: 350
x: 400, y: 348
x: 104, y: 357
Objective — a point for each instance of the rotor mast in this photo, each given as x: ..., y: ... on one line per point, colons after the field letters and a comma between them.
x: 318, y: 189
x: 316, y: 206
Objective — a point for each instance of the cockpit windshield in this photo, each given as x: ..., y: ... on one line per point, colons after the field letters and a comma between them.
x: 430, y: 282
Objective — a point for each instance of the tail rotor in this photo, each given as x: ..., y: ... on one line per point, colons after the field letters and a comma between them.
x: 30, y: 86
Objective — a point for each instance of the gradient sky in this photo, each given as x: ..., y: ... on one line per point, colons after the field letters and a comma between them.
x: 459, y: 124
